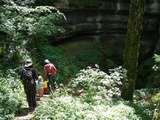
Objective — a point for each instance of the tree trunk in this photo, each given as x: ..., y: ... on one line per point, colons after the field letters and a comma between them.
x: 132, y: 44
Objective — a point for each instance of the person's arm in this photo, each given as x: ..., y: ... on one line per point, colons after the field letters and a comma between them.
x: 54, y: 70
x: 22, y: 76
x: 35, y: 74
x: 45, y: 73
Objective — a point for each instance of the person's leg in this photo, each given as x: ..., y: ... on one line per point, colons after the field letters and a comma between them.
x: 52, y: 82
x: 29, y: 98
x: 26, y: 89
x: 34, y: 101
x: 49, y: 83
x: 33, y: 97
x: 41, y: 92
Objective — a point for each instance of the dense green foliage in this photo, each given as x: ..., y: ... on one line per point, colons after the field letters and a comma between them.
x: 29, y: 31
x: 93, y: 98
x: 68, y: 107
x: 66, y: 69
x: 69, y: 59
x: 24, y: 25
x: 93, y: 94
x: 11, y: 95
x: 92, y: 82
x: 20, y: 26
x: 154, y: 70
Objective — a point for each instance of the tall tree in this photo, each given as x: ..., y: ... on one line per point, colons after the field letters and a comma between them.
x: 132, y: 44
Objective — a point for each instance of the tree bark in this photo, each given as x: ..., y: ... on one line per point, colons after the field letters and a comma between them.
x: 132, y: 44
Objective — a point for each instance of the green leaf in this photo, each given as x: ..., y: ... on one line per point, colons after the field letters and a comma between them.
x: 156, y: 58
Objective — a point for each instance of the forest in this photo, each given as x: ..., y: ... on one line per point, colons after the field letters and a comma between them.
x: 106, y: 54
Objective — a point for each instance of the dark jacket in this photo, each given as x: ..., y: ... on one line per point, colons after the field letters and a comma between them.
x: 26, y: 81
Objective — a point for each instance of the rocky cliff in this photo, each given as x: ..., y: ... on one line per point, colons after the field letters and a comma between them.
x: 97, y: 28
x: 106, y: 21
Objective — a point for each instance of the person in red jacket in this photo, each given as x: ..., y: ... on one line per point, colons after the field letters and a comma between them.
x: 50, y: 72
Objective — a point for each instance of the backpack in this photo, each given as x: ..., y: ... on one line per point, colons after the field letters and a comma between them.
x: 28, y: 74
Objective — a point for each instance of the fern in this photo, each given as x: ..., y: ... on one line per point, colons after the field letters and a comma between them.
x: 156, y: 58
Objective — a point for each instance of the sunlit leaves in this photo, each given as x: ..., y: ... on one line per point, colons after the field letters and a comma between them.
x: 11, y: 95
x: 156, y: 58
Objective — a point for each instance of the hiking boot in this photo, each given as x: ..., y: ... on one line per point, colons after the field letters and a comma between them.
x: 31, y: 109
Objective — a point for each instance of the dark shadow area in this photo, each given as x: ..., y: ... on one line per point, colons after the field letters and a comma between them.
x: 22, y: 112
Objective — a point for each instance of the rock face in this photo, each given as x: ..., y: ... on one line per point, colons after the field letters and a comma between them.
x: 106, y: 22
x: 103, y: 25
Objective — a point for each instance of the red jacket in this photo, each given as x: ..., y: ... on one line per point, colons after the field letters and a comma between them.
x: 49, y: 69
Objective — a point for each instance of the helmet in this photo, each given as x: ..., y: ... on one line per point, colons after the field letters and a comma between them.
x: 46, y: 61
x: 28, y: 63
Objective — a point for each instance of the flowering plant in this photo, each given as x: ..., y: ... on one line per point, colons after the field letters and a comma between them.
x: 99, y: 82
x: 93, y: 92
x: 72, y: 108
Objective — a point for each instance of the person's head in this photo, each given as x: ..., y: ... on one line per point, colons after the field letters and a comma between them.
x: 28, y: 63
x: 46, y: 61
x: 40, y: 78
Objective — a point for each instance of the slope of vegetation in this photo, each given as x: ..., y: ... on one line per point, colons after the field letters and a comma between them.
x: 95, y: 95
x: 27, y: 31
x: 11, y: 95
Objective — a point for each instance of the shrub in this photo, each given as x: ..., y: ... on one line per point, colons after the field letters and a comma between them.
x: 96, y: 82
x: 25, y: 25
x: 156, y: 98
x: 156, y: 73
x: 94, y: 101
x: 64, y: 107
x: 146, y: 102
x: 66, y: 68
x: 121, y: 112
x: 11, y: 95
x: 71, y: 108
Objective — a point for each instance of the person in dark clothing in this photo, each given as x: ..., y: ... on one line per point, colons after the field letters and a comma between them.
x: 28, y: 77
